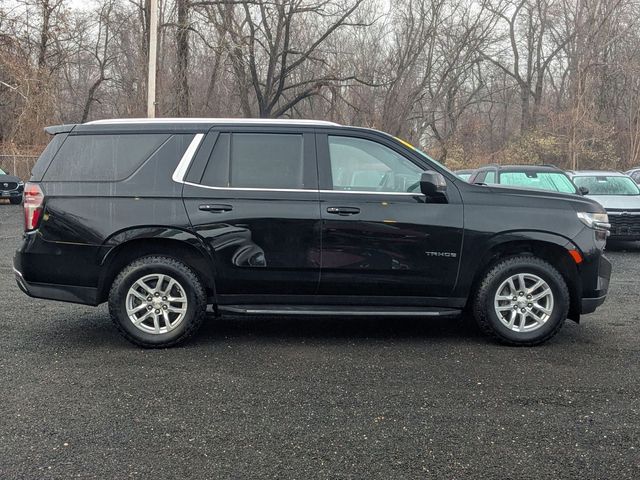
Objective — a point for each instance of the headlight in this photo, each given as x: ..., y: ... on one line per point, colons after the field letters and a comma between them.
x: 597, y: 221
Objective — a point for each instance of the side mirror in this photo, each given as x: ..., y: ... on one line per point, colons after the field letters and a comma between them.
x: 583, y: 190
x: 432, y: 184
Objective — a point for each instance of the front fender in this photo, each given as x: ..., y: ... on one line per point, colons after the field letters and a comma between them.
x: 479, y: 250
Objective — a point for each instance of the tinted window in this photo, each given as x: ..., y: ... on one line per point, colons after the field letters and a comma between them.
x: 490, y: 177
x: 102, y: 157
x: 636, y: 176
x: 556, y: 182
x: 257, y: 160
x: 363, y: 165
x: 45, y: 157
x: 266, y: 161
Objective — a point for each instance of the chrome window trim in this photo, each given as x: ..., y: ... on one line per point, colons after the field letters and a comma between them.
x: 252, y: 189
x: 371, y: 192
x: 185, y: 161
x: 188, y: 156
x: 257, y: 189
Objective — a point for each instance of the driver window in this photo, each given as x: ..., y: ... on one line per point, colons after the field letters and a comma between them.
x: 363, y: 165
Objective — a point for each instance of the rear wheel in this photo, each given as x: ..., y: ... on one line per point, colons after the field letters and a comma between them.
x: 157, y: 302
x: 522, y: 301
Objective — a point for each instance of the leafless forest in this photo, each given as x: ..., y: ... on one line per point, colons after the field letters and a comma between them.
x: 471, y: 81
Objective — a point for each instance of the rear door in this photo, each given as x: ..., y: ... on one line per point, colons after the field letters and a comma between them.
x: 252, y: 194
x: 381, y: 236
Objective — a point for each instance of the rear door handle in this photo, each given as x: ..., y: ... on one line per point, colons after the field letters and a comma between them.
x: 343, y: 211
x: 215, y: 208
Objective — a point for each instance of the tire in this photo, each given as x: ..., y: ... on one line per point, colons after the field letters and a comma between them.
x: 493, y: 302
x: 181, y: 309
x: 15, y: 201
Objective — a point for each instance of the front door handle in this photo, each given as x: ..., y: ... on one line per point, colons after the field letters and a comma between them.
x: 215, y: 208
x: 343, y: 211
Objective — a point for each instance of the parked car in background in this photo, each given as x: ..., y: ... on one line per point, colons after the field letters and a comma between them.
x: 619, y: 195
x: 11, y: 187
x: 539, y: 177
x: 635, y: 174
x: 464, y: 174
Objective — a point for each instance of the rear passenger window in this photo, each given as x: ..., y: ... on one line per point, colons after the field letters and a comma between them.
x: 102, y: 157
x: 257, y: 160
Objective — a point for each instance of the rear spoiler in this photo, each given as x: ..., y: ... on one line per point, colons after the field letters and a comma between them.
x: 55, y: 129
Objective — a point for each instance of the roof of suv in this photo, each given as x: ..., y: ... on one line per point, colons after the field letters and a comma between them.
x: 213, y: 121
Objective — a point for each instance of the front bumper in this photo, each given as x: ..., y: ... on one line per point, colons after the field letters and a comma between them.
x: 10, y: 194
x: 598, y: 294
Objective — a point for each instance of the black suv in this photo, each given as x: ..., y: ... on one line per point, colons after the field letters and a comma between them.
x: 162, y: 218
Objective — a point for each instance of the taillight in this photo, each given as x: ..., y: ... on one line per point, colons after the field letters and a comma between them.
x: 33, y: 202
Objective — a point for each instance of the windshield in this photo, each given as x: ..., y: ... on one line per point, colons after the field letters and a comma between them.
x: 553, y: 181
x: 607, y: 185
x: 407, y: 144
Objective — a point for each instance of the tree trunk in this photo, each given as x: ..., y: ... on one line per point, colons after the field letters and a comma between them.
x: 182, y: 63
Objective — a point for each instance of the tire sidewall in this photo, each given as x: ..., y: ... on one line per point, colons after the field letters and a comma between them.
x: 135, y: 274
x: 560, y: 302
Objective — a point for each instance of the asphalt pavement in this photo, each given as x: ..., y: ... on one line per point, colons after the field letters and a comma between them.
x: 337, y: 398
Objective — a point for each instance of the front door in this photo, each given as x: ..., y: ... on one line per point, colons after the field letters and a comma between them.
x: 254, y: 200
x: 381, y: 237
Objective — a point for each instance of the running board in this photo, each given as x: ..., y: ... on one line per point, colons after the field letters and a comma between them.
x: 339, y: 310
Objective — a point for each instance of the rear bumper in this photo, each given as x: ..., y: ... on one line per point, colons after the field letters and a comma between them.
x: 62, y: 293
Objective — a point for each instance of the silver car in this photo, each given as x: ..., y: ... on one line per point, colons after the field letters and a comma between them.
x: 619, y: 195
x: 635, y: 174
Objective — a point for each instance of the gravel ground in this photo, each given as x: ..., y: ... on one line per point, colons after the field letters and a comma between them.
x: 317, y: 398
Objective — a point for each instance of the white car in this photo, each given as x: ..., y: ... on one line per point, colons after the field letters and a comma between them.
x: 619, y: 195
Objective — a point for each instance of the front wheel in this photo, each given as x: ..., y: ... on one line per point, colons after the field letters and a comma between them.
x: 522, y: 300
x: 157, y: 302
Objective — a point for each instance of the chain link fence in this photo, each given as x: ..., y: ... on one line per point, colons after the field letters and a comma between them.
x: 18, y: 165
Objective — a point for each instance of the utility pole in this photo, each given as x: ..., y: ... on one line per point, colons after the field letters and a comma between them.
x: 153, y: 56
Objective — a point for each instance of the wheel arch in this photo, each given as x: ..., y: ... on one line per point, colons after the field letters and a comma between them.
x: 125, y: 247
x: 550, y: 247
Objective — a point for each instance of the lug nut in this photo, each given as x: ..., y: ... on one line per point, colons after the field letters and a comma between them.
x: 529, y: 297
x: 164, y: 299
x: 523, y: 310
x: 149, y: 299
x: 149, y: 307
x: 530, y: 305
x: 515, y: 298
x: 521, y: 293
x: 165, y: 307
x: 157, y: 294
x: 158, y: 311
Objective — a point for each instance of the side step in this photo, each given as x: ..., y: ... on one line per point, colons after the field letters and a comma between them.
x: 339, y: 310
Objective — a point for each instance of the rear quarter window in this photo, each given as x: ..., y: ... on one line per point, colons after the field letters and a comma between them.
x: 102, y: 157
x: 46, y: 156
